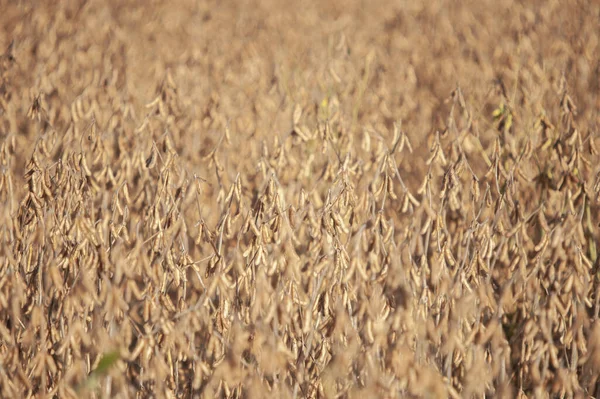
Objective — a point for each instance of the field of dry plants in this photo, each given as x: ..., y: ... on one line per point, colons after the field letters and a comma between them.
x: 299, y: 199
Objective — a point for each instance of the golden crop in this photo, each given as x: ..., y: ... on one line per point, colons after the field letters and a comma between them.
x: 294, y: 199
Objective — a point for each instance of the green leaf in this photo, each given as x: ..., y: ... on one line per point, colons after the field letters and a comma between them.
x: 107, y: 361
